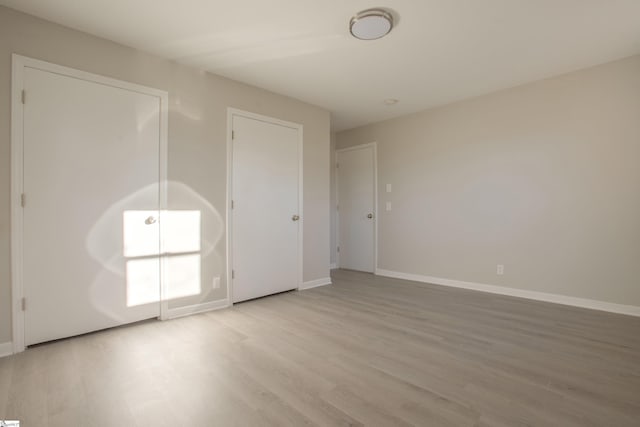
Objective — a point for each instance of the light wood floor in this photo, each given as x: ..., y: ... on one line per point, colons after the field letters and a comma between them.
x: 367, y: 350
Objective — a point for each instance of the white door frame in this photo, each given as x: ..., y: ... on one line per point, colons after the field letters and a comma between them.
x: 373, y: 145
x: 17, y: 185
x: 234, y: 112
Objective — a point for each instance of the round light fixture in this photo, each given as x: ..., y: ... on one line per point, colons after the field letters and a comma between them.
x: 371, y: 24
x: 390, y: 101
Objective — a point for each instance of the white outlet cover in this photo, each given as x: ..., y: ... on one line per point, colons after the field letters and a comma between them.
x: 216, y: 282
x: 388, y: 206
x: 500, y: 270
x: 388, y: 188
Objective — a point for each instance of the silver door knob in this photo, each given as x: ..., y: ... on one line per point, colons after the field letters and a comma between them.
x: 295, y: 218
x: 370, y: 216
x: 150, y: 220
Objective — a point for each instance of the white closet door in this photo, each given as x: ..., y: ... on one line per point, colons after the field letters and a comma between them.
x: 265, y: 187
x: 356, y: 208
x: 91, y: 184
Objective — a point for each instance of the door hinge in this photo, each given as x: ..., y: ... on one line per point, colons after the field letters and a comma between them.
x: 24, y: 304
x: 338, y: 249
x: 233, y: 274
x: 337, y: 165
x: 232, y: 204
x: 337, y: 207
x: 233, y: 134
x: 23, y: 200
x: 24, y: 96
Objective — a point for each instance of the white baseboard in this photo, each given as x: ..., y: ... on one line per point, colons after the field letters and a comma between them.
x: 6, y: 349
x: 333, y: 266
x: 315, y: 283
x: 611, y: 307
x: 197, y: 308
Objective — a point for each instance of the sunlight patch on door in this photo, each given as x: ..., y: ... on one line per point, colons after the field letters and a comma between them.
x: 143, y: 277
x: 140, y: 233
x: 180, y: 255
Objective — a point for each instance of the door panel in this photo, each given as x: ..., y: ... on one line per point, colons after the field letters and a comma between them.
x: 88, y: 147
x: 265, y: 198
x: 356, y: 196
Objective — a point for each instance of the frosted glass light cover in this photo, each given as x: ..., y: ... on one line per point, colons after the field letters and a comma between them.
x: 371, y: 24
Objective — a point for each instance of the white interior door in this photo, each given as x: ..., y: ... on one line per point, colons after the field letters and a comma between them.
x: 356, y: 208
x: 266, y: 253
x: 91, y: 184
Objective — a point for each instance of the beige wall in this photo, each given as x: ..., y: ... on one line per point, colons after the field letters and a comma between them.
x: 543, y: 178
x: 197, y: 137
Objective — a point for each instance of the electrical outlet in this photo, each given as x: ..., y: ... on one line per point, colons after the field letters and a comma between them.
x: 388, y: 188
x: 388, y: 206
x: 500, y: 270
x: 216, y: 282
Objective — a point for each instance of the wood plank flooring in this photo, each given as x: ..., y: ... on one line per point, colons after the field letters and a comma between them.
x: 364, y: 351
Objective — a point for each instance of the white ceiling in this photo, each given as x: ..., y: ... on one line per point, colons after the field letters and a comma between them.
x: 440, y: 51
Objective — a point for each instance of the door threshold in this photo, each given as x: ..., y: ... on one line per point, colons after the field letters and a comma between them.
x: 128, y: 325
x: 265, y: 296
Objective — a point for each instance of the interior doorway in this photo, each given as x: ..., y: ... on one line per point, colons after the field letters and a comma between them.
x: 357, y: 207
x: 265, y: 206
x: 84, y: 146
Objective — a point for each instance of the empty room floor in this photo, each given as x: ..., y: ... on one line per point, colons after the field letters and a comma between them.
x: 365, y: 351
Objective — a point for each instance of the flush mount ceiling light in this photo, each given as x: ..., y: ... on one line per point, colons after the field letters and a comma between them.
x: 371, y: 24
x: 390, y: 101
